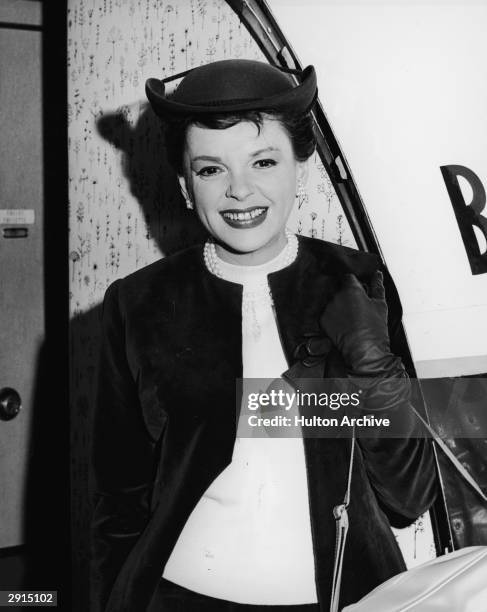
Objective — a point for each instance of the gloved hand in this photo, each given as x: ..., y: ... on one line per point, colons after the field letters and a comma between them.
x: 356, y: 323
x: 357, y: 326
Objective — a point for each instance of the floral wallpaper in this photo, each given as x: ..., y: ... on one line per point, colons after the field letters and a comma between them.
x: 125, y: 208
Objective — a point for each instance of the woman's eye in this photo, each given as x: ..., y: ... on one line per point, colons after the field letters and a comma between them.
x: 265, y: 163
x: 208, y: 171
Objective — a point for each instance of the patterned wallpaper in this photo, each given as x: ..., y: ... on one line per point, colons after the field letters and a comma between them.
x: 125, y: 208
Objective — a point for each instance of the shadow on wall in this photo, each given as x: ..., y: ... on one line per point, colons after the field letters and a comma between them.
x: 152, y: 180
x: 154, y: 184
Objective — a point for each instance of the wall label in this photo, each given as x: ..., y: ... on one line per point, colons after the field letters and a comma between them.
x: 17, y: 216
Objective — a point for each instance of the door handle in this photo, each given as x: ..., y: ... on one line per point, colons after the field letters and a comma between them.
x: 10, y: 404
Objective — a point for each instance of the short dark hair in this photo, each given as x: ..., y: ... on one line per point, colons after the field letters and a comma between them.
x: 299, y: 128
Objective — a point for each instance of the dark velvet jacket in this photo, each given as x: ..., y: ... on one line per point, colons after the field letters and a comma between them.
x: 165, y: 424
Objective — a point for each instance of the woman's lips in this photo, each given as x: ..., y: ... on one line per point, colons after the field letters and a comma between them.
x: 245, y: 219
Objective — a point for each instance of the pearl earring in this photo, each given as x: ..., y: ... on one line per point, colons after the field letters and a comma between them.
x: 189, y: 203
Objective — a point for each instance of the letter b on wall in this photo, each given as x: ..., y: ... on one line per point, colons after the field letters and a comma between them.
x: 468, y: 215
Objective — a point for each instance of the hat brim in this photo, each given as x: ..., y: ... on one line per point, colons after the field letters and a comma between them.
x: 299, y: 99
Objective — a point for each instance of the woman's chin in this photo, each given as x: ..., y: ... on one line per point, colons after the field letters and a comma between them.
x: 250, y: 249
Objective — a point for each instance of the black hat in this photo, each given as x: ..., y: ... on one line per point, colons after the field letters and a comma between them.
x: 234, y: 85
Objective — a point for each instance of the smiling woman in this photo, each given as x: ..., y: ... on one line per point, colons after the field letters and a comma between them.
x: 189, y: 516
x: 243, y: 178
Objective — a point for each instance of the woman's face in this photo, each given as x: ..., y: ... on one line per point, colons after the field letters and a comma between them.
x: 243, y: 184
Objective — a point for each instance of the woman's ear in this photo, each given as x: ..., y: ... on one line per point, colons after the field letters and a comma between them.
x: 185, y: 192
x: 303, y: 171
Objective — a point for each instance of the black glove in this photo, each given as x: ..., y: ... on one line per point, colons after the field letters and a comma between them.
x: 356, y: 323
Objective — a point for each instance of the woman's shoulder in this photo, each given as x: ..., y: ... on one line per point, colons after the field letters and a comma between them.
x: 161, y: 276
x: 338, y: 259
x: 183, y: 261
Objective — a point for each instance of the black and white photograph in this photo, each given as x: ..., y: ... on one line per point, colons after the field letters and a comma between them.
x: 243, y: 296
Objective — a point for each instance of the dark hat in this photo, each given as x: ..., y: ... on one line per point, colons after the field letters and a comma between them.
x: 234, y: 85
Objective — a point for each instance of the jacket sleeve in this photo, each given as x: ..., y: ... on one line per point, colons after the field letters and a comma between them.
x: 122, y: 457
x: 401, y: 470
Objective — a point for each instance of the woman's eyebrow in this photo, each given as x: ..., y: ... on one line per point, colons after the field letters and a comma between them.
x: 206, y: 158
x: 265, y: 150
x: 216, y: 159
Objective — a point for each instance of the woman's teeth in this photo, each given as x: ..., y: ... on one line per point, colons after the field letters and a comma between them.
x: 244, y: 216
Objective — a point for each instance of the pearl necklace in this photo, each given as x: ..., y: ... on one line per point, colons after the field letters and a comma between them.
x: 260, y: 294
x: 212, y: 260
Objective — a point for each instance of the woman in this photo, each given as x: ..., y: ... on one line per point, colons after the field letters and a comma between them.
x: 188, y: 517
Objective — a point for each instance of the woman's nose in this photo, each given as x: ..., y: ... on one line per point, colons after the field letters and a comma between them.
x: 239, y: 187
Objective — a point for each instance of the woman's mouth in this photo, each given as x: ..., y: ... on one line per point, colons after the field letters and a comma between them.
x: 244, y: 219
